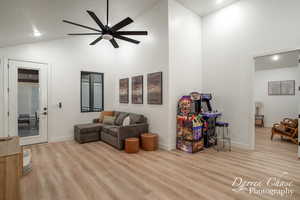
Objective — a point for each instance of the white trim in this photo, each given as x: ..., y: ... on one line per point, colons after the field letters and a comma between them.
x: 165, y: 147
x: 2, y: 118
x: 6, y: 97
x: 172, y: 146
x: 275, y: 51
x: 5, y: 85
x: 61, y: 139
x: 241, y: 145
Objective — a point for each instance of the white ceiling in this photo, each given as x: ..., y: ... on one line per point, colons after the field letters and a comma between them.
x: 18, y: 18
x: 205, y: 7
x: 286, y: 59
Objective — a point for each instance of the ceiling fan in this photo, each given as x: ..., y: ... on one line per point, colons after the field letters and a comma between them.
x: 109, y: 33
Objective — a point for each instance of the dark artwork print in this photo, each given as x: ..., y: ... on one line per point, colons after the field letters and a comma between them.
x: 137, y: 90
x: 124, y: 90
x: 155, y: 88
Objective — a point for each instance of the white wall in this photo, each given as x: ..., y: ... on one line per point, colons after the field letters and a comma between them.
x: 185, y: 49
x: 231, y: 37
x: 275, y: 108
x: 68, y: 57
x: 151, y: 56
x: 167, y: 48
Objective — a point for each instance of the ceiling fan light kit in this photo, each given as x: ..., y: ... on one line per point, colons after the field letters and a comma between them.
x: 106, y: 32
x: 107, y: 37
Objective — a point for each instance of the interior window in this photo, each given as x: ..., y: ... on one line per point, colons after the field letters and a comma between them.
x: 92, y: 92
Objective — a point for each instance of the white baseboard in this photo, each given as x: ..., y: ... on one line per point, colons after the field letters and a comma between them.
x: 165, y: 147
x: 241, y: 145
x: 61, y: 139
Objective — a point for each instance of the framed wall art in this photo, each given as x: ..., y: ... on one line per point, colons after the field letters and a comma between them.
x: 124, y: 90
x: 281, y: 87
x: 155, y: 88
x: 274, y: 88
x: 137, y: 88
x: 287, y: 87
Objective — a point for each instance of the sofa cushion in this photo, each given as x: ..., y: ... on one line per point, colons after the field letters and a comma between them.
x: 111, y: 130
x: 105, y: 113
x: 88, y: 128
x: 119, y: 120
x: 109, y: 120
x: 135, y: 118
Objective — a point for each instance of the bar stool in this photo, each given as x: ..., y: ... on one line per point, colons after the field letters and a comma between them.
x: 223, y: 135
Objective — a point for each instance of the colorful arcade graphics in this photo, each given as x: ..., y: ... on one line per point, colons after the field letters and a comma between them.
x: 195, y: 123
x: 189, y: 127
x: 209, y: 117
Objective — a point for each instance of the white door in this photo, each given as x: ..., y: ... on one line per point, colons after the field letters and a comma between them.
x: 28, y: 106
x: 298, y: 91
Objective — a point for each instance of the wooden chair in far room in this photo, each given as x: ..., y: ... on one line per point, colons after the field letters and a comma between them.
x: 288, y: 128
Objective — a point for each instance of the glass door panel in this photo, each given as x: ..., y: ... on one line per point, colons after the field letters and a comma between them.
x: 28, y: 102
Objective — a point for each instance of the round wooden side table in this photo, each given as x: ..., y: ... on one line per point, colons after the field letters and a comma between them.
x: 149, y: 141
x: 132, y: 145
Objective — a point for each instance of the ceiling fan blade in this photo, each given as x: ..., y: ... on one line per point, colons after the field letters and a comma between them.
x: 96, y: 41
x: 96, y: 19
x: 126, y: 39
x: 132, y: 33
x: 114, y: 43
x: 121, y: 24
x: 84, y: 33
x: 73, y: 23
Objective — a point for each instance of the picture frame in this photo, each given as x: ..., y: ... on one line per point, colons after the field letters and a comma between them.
x: 282, y: 88
x: 274, y: 88
x: 155, y: 88
x: 287, y: 87
x: 124, y: 90
x: 137, y: 89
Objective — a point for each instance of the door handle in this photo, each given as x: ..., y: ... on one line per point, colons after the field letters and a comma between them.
x: 44, y: 113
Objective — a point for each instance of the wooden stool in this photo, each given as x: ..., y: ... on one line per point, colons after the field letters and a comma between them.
x: 149, y: 141
x: 132, y: 145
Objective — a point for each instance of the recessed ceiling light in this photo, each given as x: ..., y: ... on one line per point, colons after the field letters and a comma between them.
x: 275, y: 57
x: 219, y: 1
x: 37, y: 33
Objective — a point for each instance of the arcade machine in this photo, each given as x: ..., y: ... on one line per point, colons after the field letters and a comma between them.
x: 195, y: 123
x: 209, y: 118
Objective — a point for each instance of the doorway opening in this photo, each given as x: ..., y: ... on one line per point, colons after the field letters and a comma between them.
x: 276, y: 101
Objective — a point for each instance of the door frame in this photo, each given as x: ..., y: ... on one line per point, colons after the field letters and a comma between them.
x: 2, y: 106
x: 252, y: 113
x: 5, y: 66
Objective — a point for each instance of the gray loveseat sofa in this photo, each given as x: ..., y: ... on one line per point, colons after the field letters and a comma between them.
x: 114, y: 134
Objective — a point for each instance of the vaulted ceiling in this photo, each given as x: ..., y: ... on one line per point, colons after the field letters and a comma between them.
x: 204, y: 7
x: 18, y: 19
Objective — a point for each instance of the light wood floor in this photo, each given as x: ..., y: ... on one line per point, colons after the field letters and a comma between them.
x: 70, y: 171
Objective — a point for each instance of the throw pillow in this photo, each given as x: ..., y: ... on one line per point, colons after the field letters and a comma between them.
x: 135, y: 118
x: 126, y: 121
x: 108, y: 120
x: 120, y: 119
x: 105, y: 113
